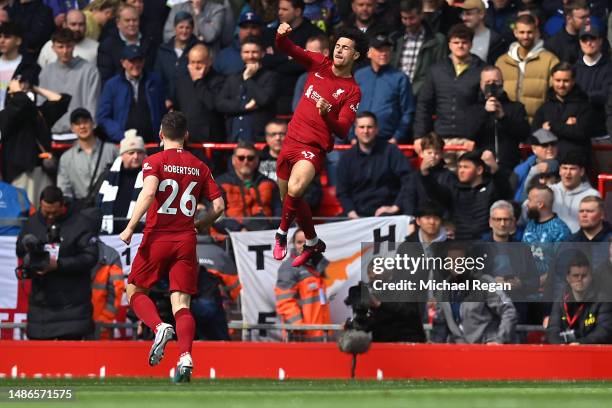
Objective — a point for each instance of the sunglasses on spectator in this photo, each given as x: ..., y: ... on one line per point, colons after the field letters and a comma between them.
x: 247, y: 158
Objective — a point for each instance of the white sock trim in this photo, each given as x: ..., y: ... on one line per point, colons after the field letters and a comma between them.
x: 280, y: 231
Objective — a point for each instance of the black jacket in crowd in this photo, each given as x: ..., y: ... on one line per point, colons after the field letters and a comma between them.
x: 470, y: 205
x: 368, y: 181
x: 594, y: 322
x: 169, y: 66
x: 443, y: 18
x: 596, y: 82
x: 36, y: 20
x: 109, y: 55
x: 448, y: 97
x: 416, y: 194
x: 231, y: 101
x: 397, y: 322
x: 498, y: 46
x: 60, y: 301
x: 564, y: 45
x: 571, y: 137
x: 197, y: 101
x: 25, y: 128
x: 512, y: 129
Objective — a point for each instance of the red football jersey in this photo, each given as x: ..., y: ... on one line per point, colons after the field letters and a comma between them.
x: 183, y: 181
x: 307, y: 126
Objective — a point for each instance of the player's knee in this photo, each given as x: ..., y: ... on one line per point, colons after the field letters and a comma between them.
x: 296, y: 187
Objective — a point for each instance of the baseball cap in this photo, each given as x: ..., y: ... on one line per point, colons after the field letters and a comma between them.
x: 471, y: 4
x: 131, y: 141
x: 380, y: 40
x: 589, y: 31
x: 132, y: 52
x: 543, y: 136
x: 80, y: 113
x: 249, y: 18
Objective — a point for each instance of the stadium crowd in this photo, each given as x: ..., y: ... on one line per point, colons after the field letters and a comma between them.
x: 484, y: 78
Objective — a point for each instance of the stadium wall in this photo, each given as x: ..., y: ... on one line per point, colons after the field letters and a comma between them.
x: 28, y: 359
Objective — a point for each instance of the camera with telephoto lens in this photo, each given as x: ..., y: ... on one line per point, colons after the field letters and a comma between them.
x: 37, y: 258
x: 357, y: 337
x: 568, y: 336
x: 493, y: 90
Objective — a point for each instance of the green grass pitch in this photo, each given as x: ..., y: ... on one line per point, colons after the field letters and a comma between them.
x: 158, y: 393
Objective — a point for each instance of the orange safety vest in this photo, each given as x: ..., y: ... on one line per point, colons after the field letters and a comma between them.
x: 107, y: 287
x: 301, y: 297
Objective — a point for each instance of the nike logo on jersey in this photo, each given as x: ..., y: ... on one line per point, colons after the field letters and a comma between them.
x: 318, y: 76
x: 147, y: 166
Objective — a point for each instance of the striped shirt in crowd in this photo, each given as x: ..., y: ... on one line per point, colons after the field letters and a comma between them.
x: 412, y: 45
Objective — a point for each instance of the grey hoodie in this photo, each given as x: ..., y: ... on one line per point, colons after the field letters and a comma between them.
x: 567, y: 202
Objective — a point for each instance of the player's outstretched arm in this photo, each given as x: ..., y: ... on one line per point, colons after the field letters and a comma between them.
x: 212, y: 214
x: 283, y: 43
x: 145, y: 198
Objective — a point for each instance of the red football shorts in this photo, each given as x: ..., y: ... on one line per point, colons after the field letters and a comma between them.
x: 155, y: 259
x: 293, y: 152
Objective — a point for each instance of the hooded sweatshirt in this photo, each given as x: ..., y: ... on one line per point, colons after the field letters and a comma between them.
x: 567, y: 202
x: 527, y: 80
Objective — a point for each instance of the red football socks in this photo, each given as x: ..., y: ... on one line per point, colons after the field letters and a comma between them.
x: 185, y: 330
x: 304, y: 219
x: 290, y: 207
x: 145, y: 309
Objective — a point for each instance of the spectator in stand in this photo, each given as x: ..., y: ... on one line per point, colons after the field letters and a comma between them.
x: 208, y: 18
x: 554, y: 11
x: 60, y: 9
x: 373, y: 175
x: 98, y: 13
x: 81, y: 166
x: 247, y: 192
x: 14, y: 204
x: 73, y: 76
x: 488, y: 45
x: 431, y: 165
x: 501, y: 16
x: 478, y: 185
x: 580, y: 317
x: 152, y: 19
x: 544, y: 145
x: 300, y: 291
x: 107, y: 288
x: 320, y: 44
x: 38, y: 19
x: 128, y: 33
x: 565, y: 44
x: 171, y: 61
x: 228, y: 61
x: 571, y: 189
x: 387, y: 12
x: 59, y: 306
x: 276, y: 130
x: 122, y: 184
x: 472, y: 316
x: 363, y: 18
x: 440, y: 16
x: 323, y: 14
x: 428, y: 218
x: 386, y: 92
x: 498, y: 124
x: 451, y: 88
x: 84, y: 47
x: 567, y: 112
x: 527, y: 66
x: 133, y: 99
x: 502, y: 223
x: 26, y: 138
x: 417, y: 47
x: 594, y: 76
x: 290, y: 12
x: 195, y: 96
x: 12, y: 63
x: 248, y: 99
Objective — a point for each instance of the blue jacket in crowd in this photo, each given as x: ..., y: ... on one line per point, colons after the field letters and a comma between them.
x: 522, y: 171
x: 116, y: 99
x: 228, y: 61
x: 388, y: 94
x: 368, y: 181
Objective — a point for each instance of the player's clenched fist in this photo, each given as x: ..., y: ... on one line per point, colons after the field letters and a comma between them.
x: 323, y: 106
x: 126, y: 235
x: 284, y: 29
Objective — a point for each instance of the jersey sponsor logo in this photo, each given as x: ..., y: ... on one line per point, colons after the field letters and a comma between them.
x: 318, y: 75
x: 147, y: 166
x: 354, y: 108
x: 338, y: 92
x: 312, y: 94
x: 308, y: 155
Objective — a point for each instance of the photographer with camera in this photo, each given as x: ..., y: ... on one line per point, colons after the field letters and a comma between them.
x: 497, y: 123
x: 59, y: 251
x: 580, y: 317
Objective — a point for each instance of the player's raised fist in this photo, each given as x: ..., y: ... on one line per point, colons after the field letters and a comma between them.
x: 284, y: 29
